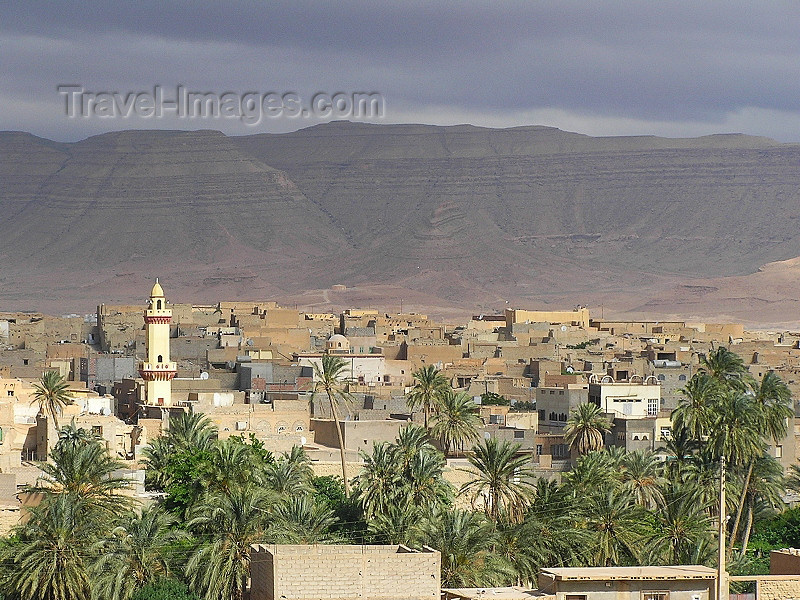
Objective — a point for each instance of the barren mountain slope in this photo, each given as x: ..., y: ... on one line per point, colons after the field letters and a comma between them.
x: 460, y: 217
x: 718, y: 205
x: 189, y: 205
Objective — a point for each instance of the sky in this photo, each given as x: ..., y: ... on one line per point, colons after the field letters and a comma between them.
x: 600, y: 68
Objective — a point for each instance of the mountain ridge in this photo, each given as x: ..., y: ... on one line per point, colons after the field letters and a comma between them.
x: 529, y: 214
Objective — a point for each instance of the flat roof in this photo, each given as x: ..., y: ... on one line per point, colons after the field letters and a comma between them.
x: 501, y: 593
x: 611, y: 573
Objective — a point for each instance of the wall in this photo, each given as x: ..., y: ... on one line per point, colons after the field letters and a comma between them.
x: 784, y: 562
x: 579, y: 317
x: 358, y: 435
x: 777, y: 589
x: 343, y: 572
x: 679, y: 589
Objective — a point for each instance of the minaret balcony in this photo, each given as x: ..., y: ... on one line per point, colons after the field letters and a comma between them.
x: 163, y: 317
x: 158, y: 371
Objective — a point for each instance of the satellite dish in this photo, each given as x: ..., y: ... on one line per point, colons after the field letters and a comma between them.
x: 204, y: 375
x: 570, y: 370
x: 303, y: 441
x: 563, y: 328
x: 487, y: 435
x: 105, y: 412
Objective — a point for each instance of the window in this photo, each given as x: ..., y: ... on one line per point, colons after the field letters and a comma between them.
x: 160, y: 358
x: 541, y: 415
x: 681, y: 377
x: 538, y: 449
x: 778, y: 451
x: 97, y: 430
x: 655, y: 595
x: 575, y: 597
x: 25, y: 361
x: 652, y: 407
x: 519, y: 434
x: 158, y: 304
x: 661, y: 377
x: 10, y: 392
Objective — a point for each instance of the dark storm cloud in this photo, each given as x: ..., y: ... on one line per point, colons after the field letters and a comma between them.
x: 669, y: 68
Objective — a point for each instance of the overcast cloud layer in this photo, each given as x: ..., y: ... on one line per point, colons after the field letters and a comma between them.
x: 601, y: 68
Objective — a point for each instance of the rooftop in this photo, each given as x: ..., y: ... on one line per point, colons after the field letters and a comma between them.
x: 500, y: 593
x: 612, y: 573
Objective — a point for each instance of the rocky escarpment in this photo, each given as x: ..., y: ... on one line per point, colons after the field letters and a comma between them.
x: 462, y: 214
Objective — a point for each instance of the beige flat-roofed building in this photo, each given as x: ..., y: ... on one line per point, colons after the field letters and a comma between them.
x: 682, y: 582
x: 578, y: 317
x: 333, y: 572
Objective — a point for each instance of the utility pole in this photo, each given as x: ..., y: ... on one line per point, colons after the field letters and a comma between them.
x: 722, y: 575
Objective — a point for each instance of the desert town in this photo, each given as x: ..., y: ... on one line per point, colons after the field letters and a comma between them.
x: 249, y: 367
x: 254, y: 370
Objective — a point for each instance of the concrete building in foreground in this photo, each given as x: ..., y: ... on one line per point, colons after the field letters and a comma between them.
x: 682, y: 582
x: 289, y: 572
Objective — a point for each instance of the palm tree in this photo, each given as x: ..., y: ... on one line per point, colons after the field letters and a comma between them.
x: 52, y: 395
x: 725, y: 366
x: 230, y: 522
x: 191, y: 431
x: 773, y: 400
x: 291, y: 474
x: 302, y: 520
x: 84, y: 469
x: 411, y: 440
x: 682, y: 527
x: 693, y: 413
x: 680, y: 448
x: 52, y: 555
x: 378, y: 484
x: 398, y: 523
x: 134, y: 554
x: 457, y: 421
x: 592, y: 471
x: 156, y: 456
x: 466, y: 541
x: 585, y: 428
x: 423, y: 482
x: 764, y: 493
x: 734, y: 428
x: 329, y: 376
x: 408, y: 472
x: 549, y: 536
x: 503, y: 484
x: 615, y: 522
x: 427, y: 391
x: 232, y: 464
x: 551, y: 529
x: 72, y: 434
x: 641, y: 474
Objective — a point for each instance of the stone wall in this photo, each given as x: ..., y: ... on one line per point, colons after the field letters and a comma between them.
x: 777, y: 589
x: 344, y: 573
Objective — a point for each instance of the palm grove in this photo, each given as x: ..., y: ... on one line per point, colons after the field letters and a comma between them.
x: 87, y: 539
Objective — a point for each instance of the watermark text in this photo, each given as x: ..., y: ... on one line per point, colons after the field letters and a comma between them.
x: 249, y: 107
